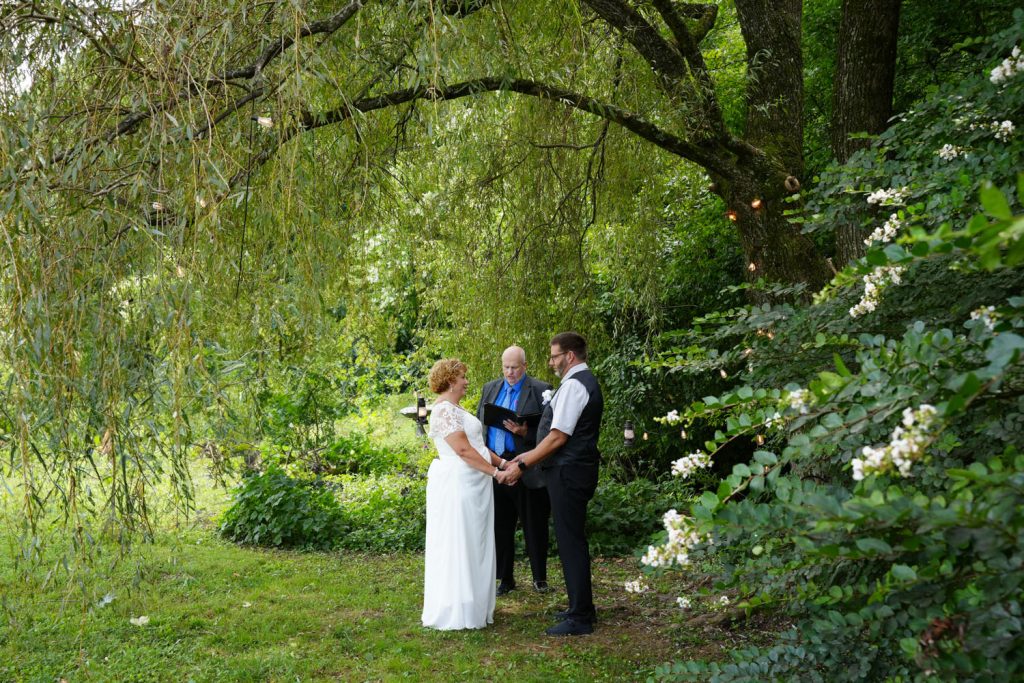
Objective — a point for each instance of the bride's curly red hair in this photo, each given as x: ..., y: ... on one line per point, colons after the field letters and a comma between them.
x: 444, y: 372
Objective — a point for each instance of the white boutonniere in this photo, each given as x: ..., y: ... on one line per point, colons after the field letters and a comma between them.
x: 546, y: 397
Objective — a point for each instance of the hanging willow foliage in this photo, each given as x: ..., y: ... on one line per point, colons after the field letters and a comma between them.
x: 191, y: 190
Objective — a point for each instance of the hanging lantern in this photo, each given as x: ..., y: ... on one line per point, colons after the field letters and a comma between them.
x: 628, y: 435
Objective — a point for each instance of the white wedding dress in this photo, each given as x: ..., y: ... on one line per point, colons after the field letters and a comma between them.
x: 460, y: 568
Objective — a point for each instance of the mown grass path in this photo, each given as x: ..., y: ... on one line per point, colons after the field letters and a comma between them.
x: 218, y: 612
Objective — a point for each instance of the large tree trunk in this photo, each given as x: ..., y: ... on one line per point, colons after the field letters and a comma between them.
x: 865, y: 72
x: 775, y: 249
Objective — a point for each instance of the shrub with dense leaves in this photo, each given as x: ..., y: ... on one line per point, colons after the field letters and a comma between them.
x: 272, y: 509
x: 622, y: 517
x: 357, y: 454
x: 883, y: 508
x: 386, y: 512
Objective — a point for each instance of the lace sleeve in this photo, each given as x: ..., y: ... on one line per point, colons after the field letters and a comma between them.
x: 445, y: 420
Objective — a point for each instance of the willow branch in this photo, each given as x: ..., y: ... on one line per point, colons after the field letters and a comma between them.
x: 702, y: 155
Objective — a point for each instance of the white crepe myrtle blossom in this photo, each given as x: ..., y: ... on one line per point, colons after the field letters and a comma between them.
x: 949, y: 152
x: 1010, y: 67
x: 672, y: 417
x: 1003, y: 130
x: 688, y: 464
x: 683, y: 537
x: 723, y: 601
x: 987, y: 315
x: 683, y: 602
x: 798, y: 400
x: 774, y: 420
x: 875, y: 283
x: 906, y: 446
x: 637, y: 586
x: 883, y: 197
x: 886, y: 232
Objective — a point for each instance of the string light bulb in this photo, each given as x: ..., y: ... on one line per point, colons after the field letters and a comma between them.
x: 731, y: 215
x: 751, y: 266
x: 759, y: 439
x: 723, y: 373
x: 756, y: 204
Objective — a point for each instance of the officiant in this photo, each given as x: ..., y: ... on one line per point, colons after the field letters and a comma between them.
x: 528, y: 502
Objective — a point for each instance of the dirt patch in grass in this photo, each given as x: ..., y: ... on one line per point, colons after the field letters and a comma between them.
x: 647, y: 629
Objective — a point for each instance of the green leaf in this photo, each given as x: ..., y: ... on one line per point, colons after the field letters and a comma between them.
x: 903, y: 572
x: 994, y: 202
x: 873, y: 545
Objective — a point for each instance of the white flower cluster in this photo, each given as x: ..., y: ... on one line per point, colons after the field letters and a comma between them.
x: 904, y: 449
x: 774, y: 420
x: 987, y: 315
x: 798, y: 400
x: 687, y: 465
x: 682, y: 538
x: 885, y: 197
x: 887, y: 232
x: 1010, y: 67
x: 1003, y: 130
x: 637, y: 586
x: 672, y: 417
x: 723, y: 601
x: 875, y: 283
x: 949, y: 152
x: 683, y: 602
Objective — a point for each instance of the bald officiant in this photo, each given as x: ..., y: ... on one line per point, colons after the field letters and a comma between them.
x: 527, y: 503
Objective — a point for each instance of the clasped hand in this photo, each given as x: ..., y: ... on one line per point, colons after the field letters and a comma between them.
x: 511, y: 474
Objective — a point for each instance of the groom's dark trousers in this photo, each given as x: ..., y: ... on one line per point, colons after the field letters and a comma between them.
x: 570, y: 488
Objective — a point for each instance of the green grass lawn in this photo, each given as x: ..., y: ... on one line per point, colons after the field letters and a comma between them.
x: 223, y: 613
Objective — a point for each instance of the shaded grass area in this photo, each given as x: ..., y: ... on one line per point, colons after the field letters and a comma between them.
x: 218, y: 612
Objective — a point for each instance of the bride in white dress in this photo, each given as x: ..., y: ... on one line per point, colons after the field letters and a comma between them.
x: 459, y: 575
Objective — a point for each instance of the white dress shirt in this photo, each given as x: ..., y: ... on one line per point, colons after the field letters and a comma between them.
x: 569, y: 401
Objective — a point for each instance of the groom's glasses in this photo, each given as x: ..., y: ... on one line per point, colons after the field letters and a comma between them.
x: 556, y: 355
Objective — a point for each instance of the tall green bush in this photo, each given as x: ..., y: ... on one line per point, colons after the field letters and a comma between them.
x: 883, y: 507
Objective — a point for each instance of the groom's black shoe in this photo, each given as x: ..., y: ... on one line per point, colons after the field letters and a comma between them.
x: 505, y: 587
x: 564, y: 614
x: 541, y: 586
x: 571, y: 627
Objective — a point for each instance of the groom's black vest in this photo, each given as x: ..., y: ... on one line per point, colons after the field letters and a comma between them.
x: 581, y: 447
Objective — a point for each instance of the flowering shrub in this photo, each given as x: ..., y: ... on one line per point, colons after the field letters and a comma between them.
x: 882, y: 505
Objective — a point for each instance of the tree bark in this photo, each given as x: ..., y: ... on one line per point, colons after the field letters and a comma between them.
x: 863, y: 90
x: 775, y: 249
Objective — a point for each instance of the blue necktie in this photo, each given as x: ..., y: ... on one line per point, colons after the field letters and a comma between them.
x: 503, y: 440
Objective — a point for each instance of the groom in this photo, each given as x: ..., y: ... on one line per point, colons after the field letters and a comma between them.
x: 529, y: 503
x: 567, y: 455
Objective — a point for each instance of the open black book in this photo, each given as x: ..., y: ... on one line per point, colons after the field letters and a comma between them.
x: 495, y: 416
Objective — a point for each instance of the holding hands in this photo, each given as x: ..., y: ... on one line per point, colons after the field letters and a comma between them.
x: 512, y: 471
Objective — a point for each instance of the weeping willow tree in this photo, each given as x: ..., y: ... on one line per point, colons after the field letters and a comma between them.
x: 189, y: 187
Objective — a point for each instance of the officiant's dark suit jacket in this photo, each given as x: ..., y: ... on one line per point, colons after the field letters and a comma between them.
x: 530, y: 401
